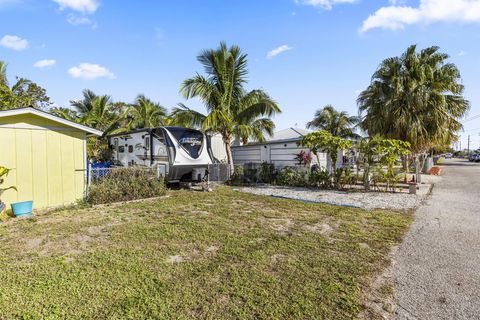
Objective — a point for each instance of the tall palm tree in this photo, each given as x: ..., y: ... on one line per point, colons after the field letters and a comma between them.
x: 339, y: 124
x: 145, y: 113
x: 416, y: 97
x: 231, y: 110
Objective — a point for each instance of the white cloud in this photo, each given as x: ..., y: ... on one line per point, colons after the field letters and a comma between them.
x: 462, y: 53
x: 275, y: 52
x: 90, y: 71
x: 14, y: 42
x: 83, y: 6
x: 325, y: 4
x: 81, y: 20
x: 46, y: 63
x: 397, y: 17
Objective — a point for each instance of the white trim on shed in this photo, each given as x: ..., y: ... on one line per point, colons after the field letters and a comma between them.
x: 46, y: 115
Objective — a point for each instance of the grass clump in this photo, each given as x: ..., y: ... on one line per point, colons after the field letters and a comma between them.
x: 125, y: 184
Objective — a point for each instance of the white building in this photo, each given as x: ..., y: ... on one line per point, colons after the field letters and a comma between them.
x: 280, y: 149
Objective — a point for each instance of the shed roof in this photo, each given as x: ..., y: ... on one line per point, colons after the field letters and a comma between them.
x: 46, y: 115
x: 288, y: 134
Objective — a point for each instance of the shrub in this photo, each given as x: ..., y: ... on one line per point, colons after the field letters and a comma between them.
x: 291, y: 177
x: 125, y: 184
x: 238, y: 174
x: 251, y: 175
x: 267, y: 172
x: 319, y: 178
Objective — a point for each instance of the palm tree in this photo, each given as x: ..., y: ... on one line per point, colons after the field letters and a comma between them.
x: 145, y: 113
x: 65, y: 113
x: 84, y: 105
x: 339, y: 124
x: 99, y: 111
x: 231, y: 110
x: 416, y: 97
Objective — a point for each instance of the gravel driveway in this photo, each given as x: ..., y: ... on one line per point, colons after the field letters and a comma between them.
x: 365, y: 200
x: 437, y: 267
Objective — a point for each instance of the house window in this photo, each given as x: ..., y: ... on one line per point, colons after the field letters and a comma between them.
x: 147, y: 143
x: 121, y: 149
x: 130, y: 149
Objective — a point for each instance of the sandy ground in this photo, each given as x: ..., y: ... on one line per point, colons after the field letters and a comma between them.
x: 437, y: 267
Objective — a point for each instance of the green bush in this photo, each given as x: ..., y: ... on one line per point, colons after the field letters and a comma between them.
x: 238, y: 174
x: 292, y: 177
x: 125, y: 184
x: 267, y: 172
x: 319, y: 179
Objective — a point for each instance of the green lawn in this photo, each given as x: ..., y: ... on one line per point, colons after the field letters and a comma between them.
x: 219, y: 255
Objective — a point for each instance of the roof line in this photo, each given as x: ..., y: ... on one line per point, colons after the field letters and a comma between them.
x: 46, y: 115
x: 297, y: 131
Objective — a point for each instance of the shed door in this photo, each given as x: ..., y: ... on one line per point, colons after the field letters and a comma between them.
x: 265, y: 154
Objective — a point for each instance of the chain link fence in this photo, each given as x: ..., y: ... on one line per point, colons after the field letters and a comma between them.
x: 217, y: 173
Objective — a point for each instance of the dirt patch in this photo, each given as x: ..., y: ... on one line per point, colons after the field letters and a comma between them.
x: 212, y: 249
x: 282, y: 225
x: 34, y: 243
x: 277, y: 257
x: 378, y: 297
x: 175, y: 259
x: 364, y: 245
x: 320, y: 228
x: 199, y: 212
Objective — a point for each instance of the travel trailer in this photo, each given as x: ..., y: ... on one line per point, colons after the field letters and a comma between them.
x: 178, y: 154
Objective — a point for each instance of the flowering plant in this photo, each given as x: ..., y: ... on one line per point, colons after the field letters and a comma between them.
x: 303, y: 157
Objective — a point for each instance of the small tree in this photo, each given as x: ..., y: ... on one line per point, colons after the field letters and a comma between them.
x: 386, y: 151
x: 324, y: 141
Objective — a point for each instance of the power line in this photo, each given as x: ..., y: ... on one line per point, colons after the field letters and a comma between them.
x: 470, y: 130
x: 471, y: 118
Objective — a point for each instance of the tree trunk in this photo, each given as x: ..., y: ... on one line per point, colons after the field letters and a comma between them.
x: 366, y: 176
x: 228, y: 149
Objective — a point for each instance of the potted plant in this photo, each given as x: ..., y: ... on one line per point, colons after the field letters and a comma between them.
x: 3, y: 173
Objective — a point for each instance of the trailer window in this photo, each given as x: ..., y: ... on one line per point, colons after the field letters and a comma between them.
x: 147, y: 143
x: 130, y: 149
x: 121, y: 149
x: 191, y: 140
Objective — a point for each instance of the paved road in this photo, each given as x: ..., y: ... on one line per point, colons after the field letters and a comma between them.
x: 437, y: 269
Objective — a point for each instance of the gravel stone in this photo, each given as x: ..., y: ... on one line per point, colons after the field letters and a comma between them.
x: 365, y: 200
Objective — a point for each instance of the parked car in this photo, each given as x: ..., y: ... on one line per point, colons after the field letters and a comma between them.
x: 474, y: 157
x: 448, y: 156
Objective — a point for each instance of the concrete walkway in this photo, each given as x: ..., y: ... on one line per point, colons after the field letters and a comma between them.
x: 437, y: 268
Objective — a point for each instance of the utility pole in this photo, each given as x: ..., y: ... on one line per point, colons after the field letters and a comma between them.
x: 468, y: 149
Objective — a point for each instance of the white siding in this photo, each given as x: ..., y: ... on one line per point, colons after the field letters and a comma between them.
x: 282, y: 154
x: 245, y: 154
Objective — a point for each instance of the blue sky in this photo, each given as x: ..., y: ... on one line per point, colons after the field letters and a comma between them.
x: 321, y: 51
